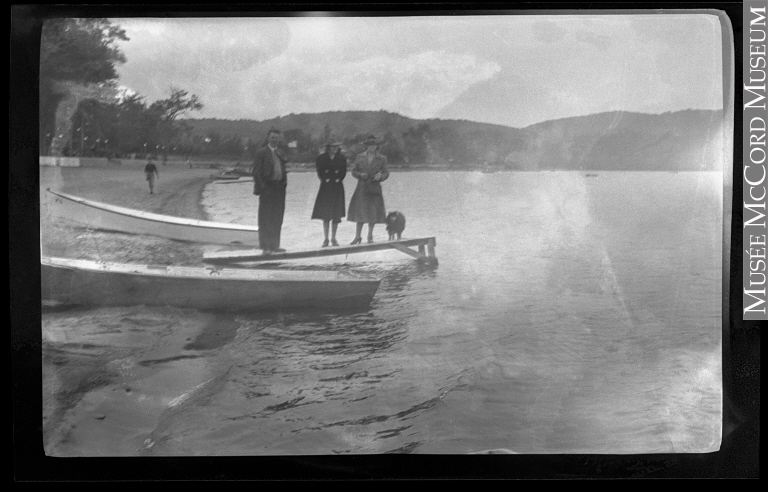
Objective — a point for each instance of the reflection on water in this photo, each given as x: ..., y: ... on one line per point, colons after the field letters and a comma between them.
x: 293, y: 339
x: 567, y: 315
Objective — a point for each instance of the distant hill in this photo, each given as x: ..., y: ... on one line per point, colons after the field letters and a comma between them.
x: 678, y: 141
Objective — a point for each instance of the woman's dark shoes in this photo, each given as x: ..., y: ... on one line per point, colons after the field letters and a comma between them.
x: 370, y: 240
x: 325, y: 244
x: 334, y: 242
x: 279, y: 250
x: 357, y: 240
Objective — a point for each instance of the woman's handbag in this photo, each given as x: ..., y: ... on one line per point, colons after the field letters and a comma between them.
x: 372, y: 188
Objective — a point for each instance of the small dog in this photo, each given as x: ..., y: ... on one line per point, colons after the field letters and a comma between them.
x: 395, y: 224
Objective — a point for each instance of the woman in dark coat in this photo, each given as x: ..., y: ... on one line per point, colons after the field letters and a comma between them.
x: 331, y: 168
x: 367, y: 204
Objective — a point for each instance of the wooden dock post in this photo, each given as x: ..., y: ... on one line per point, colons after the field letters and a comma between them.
x: 429, y: 258
x: 431, y: 251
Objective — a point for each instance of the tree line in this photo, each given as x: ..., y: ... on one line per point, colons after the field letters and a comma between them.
x: 83, y: 113
x: 418, y: 144
x: 131, y: 126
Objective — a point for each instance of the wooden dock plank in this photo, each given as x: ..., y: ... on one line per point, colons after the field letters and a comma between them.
x: 224, y: 257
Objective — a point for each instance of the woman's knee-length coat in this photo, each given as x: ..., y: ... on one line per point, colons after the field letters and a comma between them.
x: 329, y: 204
x: 364, y: 207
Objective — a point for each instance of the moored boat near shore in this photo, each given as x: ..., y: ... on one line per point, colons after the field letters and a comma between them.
x: 244, y: 179
x: 236, y: 172
x: 95, y: 283
x: 225, y: 175
x: 113, y: 218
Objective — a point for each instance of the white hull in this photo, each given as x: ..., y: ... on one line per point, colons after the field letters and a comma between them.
x: 88, y: 282
x: 113, y: 218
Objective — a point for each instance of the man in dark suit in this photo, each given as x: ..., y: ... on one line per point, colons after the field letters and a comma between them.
x: 269, y: 183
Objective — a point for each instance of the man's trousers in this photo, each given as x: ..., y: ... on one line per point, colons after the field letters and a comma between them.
x: 271, y: 210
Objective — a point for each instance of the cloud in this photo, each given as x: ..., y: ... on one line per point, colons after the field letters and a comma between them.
x: 505, y: 69
x: 673, y: 29
x: 506, y: 99
x: 261, y: 68
x: 188, y: 52
x: 547, y: 31
x: 600, y: 41
x: 417, y: 85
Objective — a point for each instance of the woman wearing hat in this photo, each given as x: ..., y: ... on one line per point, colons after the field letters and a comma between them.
x: 331, y: 168
x: 367, y: 203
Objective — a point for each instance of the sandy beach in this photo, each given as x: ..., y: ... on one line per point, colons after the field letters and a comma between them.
x: 177, y: 192
x: 93, y: 367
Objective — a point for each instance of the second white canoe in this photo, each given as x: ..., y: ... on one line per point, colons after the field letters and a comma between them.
x: 113, y: 218
x: 96, y: 283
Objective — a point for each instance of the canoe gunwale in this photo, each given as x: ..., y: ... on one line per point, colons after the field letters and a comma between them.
x: 93, y: 283
x: 152, y: 217
x: 205, y: 273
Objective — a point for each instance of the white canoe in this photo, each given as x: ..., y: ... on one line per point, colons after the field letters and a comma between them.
x: 96, y: 283
x: 244, y: 179
x: 113, y: 218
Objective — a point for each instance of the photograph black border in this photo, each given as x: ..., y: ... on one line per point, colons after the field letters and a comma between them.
x: 739, y: 453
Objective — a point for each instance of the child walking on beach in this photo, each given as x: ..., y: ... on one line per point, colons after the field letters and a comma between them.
x: 150, y: 170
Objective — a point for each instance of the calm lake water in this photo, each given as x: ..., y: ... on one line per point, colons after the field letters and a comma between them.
x: 568, y: 314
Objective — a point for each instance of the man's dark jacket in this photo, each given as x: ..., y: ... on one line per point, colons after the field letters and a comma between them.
x: 263, y: 168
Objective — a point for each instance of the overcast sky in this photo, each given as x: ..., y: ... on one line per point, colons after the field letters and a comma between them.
x: 512, y: 69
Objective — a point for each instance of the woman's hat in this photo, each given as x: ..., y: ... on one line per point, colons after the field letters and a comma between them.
x: 332, y: 142
x: 371, y: 140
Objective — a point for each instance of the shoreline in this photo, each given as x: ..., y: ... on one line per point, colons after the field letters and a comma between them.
x: 126, y: 186
x: 178, y: 192
x: 100, y: 395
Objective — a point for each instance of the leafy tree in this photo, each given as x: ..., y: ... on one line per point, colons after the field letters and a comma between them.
x: 451, y: 146
x: 176, y: 105
x: 80, y: 51
x: 415, y: 143
x: 94, y: 127
x: 251, y: 147
x: 231, y: 146
x: 211, y: 142
x: 131, y: 119
x: 303, y: 140
x: 166, y: 111
x: 391, y: 148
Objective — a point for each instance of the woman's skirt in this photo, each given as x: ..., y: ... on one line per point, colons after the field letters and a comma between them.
x: 366, y: 208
